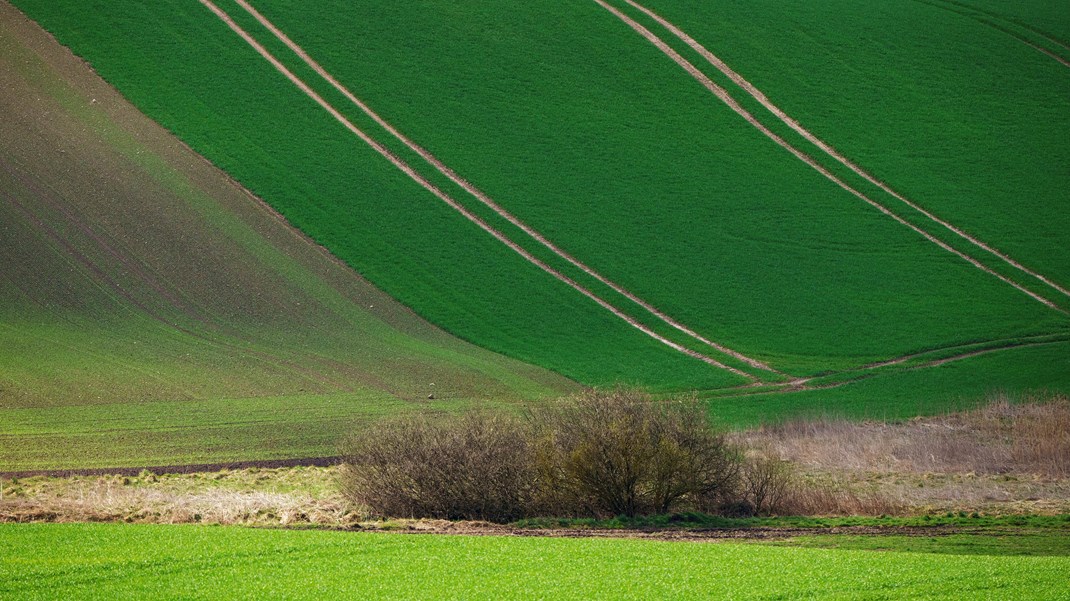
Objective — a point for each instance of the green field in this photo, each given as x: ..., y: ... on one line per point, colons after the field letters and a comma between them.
x: 1040, y: 545
x: 147, y: 298
x: 197, y: 562
x: 152, y: 312
x: 575, y: 124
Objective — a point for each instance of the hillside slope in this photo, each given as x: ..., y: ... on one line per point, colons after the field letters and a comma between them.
x: 153, y: 312
x: 741, y: 198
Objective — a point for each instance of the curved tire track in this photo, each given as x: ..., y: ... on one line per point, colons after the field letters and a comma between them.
x: 409, y: 171
x: 484, y: 198
x: 831, y: 151
x: 723, y: 95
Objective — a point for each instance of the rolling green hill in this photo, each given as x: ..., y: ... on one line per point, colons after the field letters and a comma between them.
x: 153, y: 312
x: 790, y: 207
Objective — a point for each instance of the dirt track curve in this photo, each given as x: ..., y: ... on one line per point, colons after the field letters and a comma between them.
x: 452, y: 203
x: 983, y: 17
x: 830, y: 150
x: 723, y: 95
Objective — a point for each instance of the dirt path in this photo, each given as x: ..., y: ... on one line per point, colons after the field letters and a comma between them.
x: 452, y: 203
x: 999, y: 343
x: 722, y: 94
x: 443, y: 527
x: 487, y: 200
x: 867, y: 371
x: 177, y: 469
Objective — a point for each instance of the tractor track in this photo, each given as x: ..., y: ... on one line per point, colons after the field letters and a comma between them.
x: 762, y: 99
x: 724, y: 96
x: 486, y: 199
x: 452, y: 203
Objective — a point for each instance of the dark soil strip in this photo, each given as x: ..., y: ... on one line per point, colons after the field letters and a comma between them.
x: 668, y: 534
x: 178, y: 469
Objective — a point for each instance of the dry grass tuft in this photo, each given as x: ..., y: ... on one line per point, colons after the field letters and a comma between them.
x: 808, y: 498
x: 1001, y: 457
x: 1031, y: 437
x: 190, y: 498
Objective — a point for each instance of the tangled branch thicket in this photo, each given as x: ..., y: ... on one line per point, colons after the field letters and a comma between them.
x: 601, y: 453
x: 475, y: 467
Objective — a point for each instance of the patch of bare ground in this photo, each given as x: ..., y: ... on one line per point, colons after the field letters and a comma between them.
x: 1001, y: 458
x: 252, y: 496
x: 671, y: 534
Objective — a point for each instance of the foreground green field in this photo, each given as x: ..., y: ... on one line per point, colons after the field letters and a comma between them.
x: 197, y: 562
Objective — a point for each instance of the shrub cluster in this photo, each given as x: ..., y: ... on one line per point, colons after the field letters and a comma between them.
x: 472, y: 467
x: 619, y: 453
x: 597, y: 454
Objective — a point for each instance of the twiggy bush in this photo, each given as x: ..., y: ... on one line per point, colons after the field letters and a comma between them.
x: 601, y: 453
x: 474, y: 467
x: 618, y: 452
x: 767, y: 483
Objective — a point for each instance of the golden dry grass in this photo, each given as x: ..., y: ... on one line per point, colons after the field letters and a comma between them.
x: 1031, y: 437
x: 285, y: 496
x: 1002, y: 457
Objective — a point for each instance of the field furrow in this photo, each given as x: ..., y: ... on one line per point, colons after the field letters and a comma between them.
x: 1004, y: 25
x: 409, y: 171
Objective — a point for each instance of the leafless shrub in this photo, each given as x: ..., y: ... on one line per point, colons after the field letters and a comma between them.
x: 618, y: 452
x: 473, y: 467
x: 766, y: 483
x: 615, y: 452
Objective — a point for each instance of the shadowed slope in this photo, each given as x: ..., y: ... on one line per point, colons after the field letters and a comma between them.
x: 143, y: 290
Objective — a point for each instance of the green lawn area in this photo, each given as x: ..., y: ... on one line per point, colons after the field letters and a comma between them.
x: 1040, y: 545
x: 197, y: 562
